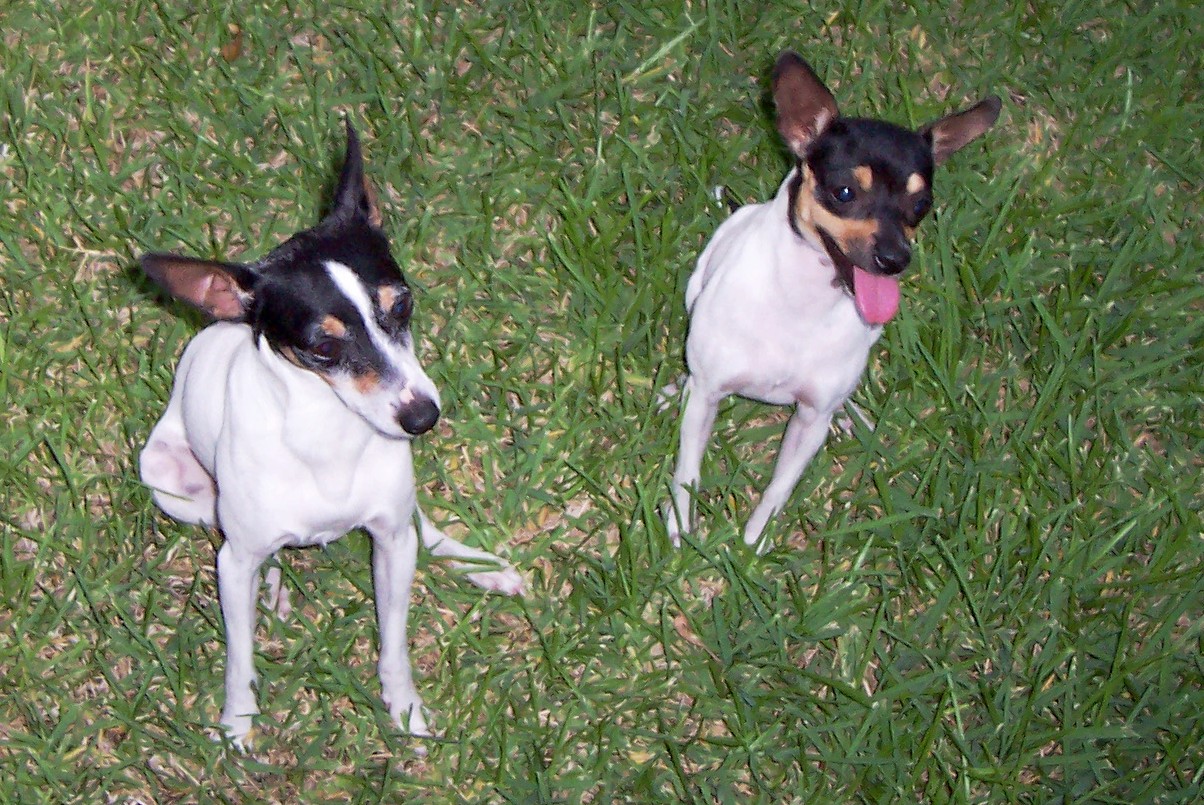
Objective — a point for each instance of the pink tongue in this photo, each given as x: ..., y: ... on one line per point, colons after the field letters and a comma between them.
x: 877, y: 297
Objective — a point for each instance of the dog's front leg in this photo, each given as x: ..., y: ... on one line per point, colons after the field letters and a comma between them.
x: 696, y: 423
x: 394, y: 556
x: 237, y: 580
x: 805, y: 434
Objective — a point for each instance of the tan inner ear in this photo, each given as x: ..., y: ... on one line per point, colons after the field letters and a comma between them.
x: 805, y: 106
x: 220, y: 296
x: 374, y: 216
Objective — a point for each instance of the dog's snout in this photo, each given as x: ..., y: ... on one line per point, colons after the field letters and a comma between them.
x: 417, y: 416
x: 892, y: 258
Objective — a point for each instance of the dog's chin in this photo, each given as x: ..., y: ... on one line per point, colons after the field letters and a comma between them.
x: 844, y: 266
x: 876, y: 296
x: 392, y: 429
x: 382, y: 423
x: 396, y: 433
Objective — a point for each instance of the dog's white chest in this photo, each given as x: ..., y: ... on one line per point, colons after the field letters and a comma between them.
x: 767, y: 321
x: 288, y: 458
x: 332, y: 475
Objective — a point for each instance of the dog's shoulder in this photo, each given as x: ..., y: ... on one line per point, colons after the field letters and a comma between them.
x: 741, y: 239
x: 215, y: 346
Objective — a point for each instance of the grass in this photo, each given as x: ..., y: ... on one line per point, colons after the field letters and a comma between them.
x: 995, y: 596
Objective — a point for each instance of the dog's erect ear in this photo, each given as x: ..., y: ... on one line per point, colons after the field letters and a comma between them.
x: 220, y: 290
x: 805, y: 106
x: 355, y: 195
x: 954, y: 131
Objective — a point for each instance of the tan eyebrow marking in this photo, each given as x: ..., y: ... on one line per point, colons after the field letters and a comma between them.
x: 915, y: 183
x: 333, y: 327
x: 386, y: 295
x: 864, y: 175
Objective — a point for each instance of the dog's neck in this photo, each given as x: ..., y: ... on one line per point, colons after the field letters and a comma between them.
x: 811, y: 252
x: 316, y: 426
x: 790, y: 188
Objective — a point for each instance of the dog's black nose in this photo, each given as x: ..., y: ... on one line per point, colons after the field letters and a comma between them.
x: 418, y: 417
x: 891, y: 258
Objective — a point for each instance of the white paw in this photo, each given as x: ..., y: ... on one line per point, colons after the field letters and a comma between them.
x: 844, y: 421
x: 676, y: 523
x: 506, y: 580
x: 277, y: 599
x: 754, y: 536
x: 669, y: 395
x: 406, y: 710
x: 673, y: 530
x: 239, y: 725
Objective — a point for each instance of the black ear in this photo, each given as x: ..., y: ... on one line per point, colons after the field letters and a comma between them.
x: 805, y: 106
x: 953, y: 132
x: 220, y: 290
x: 354, y: 196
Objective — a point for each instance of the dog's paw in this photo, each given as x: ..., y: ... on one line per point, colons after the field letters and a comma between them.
x: 276, y: 598
x: 672, y: 529
x: 844, y: 419
x: 754, y: 534
x: 676, y: 522
x: 239, y: 730
x: 505, y: 580
x: 669, y: 395
x: 407, y: 712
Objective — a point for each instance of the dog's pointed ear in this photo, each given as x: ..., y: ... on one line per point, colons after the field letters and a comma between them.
x: 355, y: 196
x: 220, y: 290
x: 953, y: 132
x: 805, y: 106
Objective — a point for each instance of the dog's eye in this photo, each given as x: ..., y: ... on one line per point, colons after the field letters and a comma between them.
x: 327, y: 350
x: 922, y: 206
x: 843, y: 194
x: 404, y: 306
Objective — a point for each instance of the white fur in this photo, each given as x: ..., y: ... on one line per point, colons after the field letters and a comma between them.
x: 767, y: 322
x: 272, y: 455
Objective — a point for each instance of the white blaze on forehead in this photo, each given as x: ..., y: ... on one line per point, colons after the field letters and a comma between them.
x: 349, y: 283
x: 404, y: 382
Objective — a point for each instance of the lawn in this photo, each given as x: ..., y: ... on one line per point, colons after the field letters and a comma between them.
x: 996, y: 595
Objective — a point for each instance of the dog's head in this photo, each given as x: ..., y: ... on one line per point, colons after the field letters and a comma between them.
x: 863, y: 185
x: 331, y: 300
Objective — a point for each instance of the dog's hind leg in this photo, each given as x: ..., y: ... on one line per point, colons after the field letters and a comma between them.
x: 805, y: 434
x: 181, y: 486
x: 276, y: 599
x: 696, y: 423
x: 484, y: 569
